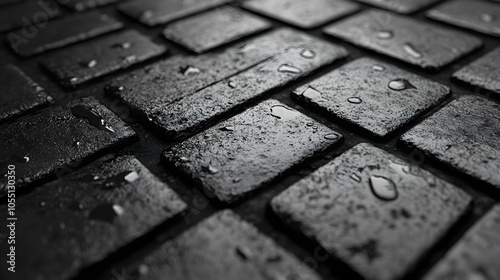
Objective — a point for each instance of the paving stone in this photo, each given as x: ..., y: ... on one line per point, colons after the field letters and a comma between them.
x: 76, y: 65
x: 259, y: 145
x: 27, y: 13
x: 214, y: 28
x: 483, y: 72
x: 9, y: 2
x: 82, y: 5
x: 401, y: 6
x: 464, y: 136
x: 19, y: 94
x: 375, y: 96
x: 476, y: 255
x: 224, y: 246
x: 372, y: 210
x: 303, y: 14
x: 481, y: 16
x: 81, y: 219
x: 148, y: 91
x: 54, y: 139
x: 60, y: 33
x: 154, y: 12
x: 415, y: 42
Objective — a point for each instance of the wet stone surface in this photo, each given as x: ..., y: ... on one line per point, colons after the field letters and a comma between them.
x: 415, y: 42
x: 19, y: 94
x: 79, y: 220
x: 12, y: 17
x: 377, y: 97
x: 76, y: 65
x: 463, y: 135
x: 224, y: 246
x: 154, y: 12
x: 58, y: 139
x: 400, y: 6
x: 62, y: 32
x: 482, y: 73
x: 214, y: 28
x: 480, y: 16
x: 476, y: 255
x: 303, y: 14
x: 249, y: 150
x: 82, y: 5
x: 372, y: 210
x: 9, y: 2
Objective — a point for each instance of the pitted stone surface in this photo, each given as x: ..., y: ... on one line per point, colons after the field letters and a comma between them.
x: 401, y: 6
x: 82, y: 5
x: 482, y: 73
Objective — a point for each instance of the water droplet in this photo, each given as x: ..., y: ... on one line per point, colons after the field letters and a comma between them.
x: 283, y: 113
x: 143, y: 269
x: 184, y: 159
x: 306, y: 53
x: 310, y: 124
x: 89, y: 64
x: 231, y: 84
x: 212, y: 170
x: 402, y: 170
x: 285, y: 68
x: 92, y: 116
x: 122, y: 46
x: 236, y: 180
x: 147, y: 14
x: 121, y: 179
x: 26, y: 158
x: 42, y: 203
x: 131, y: 177
x: 246, y: 48
x: 130, y: 59
x: 190, y: 70
x: 227, y: 128
x: 75, y: 206
x: 355, y: 177
x: 332, y: 136
x: 312, y: 94
x: 383, y: 188
x: 73, y: 80
x: 106, y: 212
x: 354, y: 100
x: 244, y: 252
x: 412, y: 51
x: 114, y: 89
x: 385, y: 34
x: 487, y: 17
x: 400, y: 84
x: 77, y: 143
x: 378, y: 68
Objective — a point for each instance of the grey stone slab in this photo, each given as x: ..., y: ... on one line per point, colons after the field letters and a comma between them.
x: 401, y: 6
x: 83, y: 5
x: 27, y: 13
x: 482, y: 73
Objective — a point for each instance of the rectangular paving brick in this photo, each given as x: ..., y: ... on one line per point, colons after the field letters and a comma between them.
x: 374, y: 96
x: 401, y: 6
x: 81, y: 219
x: 259, y: 145
x: 464, y: 136
x: 303, y: 14
x: 224, y: 246
x: 412, y: 41
x: 27, y: 13
x: 82, y: 5
x: 62, y: 32
x: 483, y: 73
x: 476, y: 254
x: 81, y: 63
x: 42, y: 144
x: 214, y: 28
x: 372, y: 210
x: 154, y: 12
x: 19, y: 93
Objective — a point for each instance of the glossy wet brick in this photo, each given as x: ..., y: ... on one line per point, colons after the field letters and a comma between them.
x: 415, y: 42
x: 482, y: 73
x: 303, y: 14
x: 214, y: 28
x: 401, y: 6
x: 76, y: 65
x: 464, y: 136
x: 81, y: 219
x: 59, y: 138
x: 27, y: 13
x: 19, y: 93
x: 377, y: 97
x: 224, y: 246
x: 82, y: 5
x: 258, y: 146
x: 62, y: 32
x: 154, y: 12
x: 475, y: 255
x: 480, y: 16
x: 372, y: 210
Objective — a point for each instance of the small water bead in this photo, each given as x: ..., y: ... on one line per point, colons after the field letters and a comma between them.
x: 385, y: 34
x: 312, y: 94
x: 487, y: 17
x: 283, y: 113
x: 285, y: 68
x: 354, y: 100
x: 92, y: 116
x: 355, y: 177
x: 383, y: 188
x: 212, y: 170
x: 232, y: 84
x: 332, y: 136
x: 412, y: 51
x: 227, y: 128
x: 106, y: 212
x: 378, y: 68
x: 190, y: 70
x: 26, y: 158
x: 306, y: 53
x: 89, y: 64
x: 400, y: 84
x: 122, y: 46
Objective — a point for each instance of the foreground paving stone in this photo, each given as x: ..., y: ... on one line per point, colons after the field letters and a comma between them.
x: 303, y: 14
x: 20, y: 94
x: 81, y: 219
x: 42, y: 144
x: 82, y: 5
x: 377, y: 97
x: 475, y: 255
x: 24, y: 14
x: 483, y: 72
x: 258, y: 146
x: 224, y: 247
x: 401, y: 6
x: 372, y: 210
x: 463, y: 136
x: 415, y: 42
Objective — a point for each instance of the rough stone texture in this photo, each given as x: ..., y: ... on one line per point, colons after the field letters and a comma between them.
x: 154, y: 12
x: 79, y: 220
x: 76, y: 65
x: 62, y: 32
x: 12, y: 17
x: 303, y: 14
x: 214, y: 28
x: 359, y: 93
x: 82, y: 5
x: 336, y: 206
x: 463, y: 135
x: 415, y: 42
x: 401, y: 6
x: 40, y: 145
x: 481, y: 16
x: 224, y: 247
x: 476, y: 255
x: 251, y: 149
x: 19, y: 94
x: 483, y: 73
